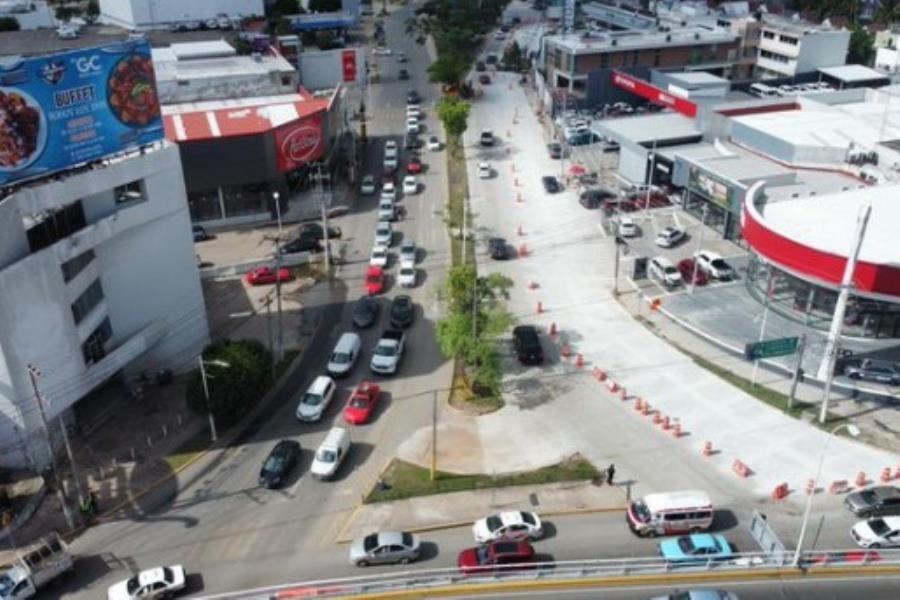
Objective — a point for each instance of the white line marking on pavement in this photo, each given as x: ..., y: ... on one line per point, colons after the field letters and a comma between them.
x: 241, y: 315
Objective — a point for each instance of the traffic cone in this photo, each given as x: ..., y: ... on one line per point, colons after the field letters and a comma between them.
x: 516, y: 181
x: 519, y: 197
x: 533, y: 285
x: 657, y: 418
x: 707, y: 449
x: 519, y: 231
x: 552, y: 329
x: 676, y: 430
x: 665, y: 424
x: 523, y: 250
x: 579, y: 360
x: 645, y: 409
x: 623, y: 394
x: 540, y: 308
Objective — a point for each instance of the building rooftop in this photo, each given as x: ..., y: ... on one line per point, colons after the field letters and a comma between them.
x: 591, y: 42
x: 738, y: 164
x: 697, y: 78
x: 795, y: 24
x: 853, y: 73
x: 208, y: 60
x: 646, y: 128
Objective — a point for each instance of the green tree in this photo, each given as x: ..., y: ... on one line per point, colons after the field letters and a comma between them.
x: 448, y: 70
x: 91, y: 12
x: 65, y: 13
x: 454, y: 114
x: 285, y: 7
x: 321, y: 6
x: 862, y: 47
x: 9, y: 24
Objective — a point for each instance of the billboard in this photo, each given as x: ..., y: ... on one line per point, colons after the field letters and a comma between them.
x: 711, y: 187
x: 74, y: 107
x: 299, y: 142
x: 654, y: 94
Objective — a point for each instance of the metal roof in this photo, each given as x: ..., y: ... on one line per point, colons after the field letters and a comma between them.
x: 646, y: 128
x: 853, y: 73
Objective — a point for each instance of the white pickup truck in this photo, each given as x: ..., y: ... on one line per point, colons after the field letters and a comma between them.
x: 388, y: 352
x: 24, y: 571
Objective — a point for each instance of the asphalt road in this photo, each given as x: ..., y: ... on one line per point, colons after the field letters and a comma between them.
x: 226, y: 530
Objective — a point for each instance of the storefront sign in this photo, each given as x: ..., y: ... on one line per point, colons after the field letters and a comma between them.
x: 299, y: 142
x: 348, y: 64
x: 654, y: 94
x: 74, y: 107
x: 711, y: 187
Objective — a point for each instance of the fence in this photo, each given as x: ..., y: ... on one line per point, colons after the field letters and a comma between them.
x: 617, y: 571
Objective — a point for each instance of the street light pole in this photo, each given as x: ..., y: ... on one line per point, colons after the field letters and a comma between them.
x: 650, y: 176
x: 209, y: 412
x: 853, y: 430
x: 699, y: 247
x: 276, y: 196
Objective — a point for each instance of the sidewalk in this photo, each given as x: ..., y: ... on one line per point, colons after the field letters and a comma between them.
x: 461, y: 509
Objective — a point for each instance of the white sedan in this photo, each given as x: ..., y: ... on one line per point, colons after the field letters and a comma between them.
x: 407, y: 276
x: 412, y: 125
x: 484, y: 170
x: 410, y: 184
x: 382, y: 51
x: 434, y: 143
x: 368, y: 185
x: 384, y: 234
x: 880, y: 532
x: 511, y: 525
x: 152, y: 583
x: 379, y: 256
x: 388, y: 191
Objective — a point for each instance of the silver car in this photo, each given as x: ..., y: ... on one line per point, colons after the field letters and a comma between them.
x: 384, y: 547
x: 874, y: 500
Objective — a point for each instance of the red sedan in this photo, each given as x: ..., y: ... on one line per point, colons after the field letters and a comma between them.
x: 362, y: 403
x: 686, y: 268
x: 496, y: 557
x: 374, y: 280
x: 414, y: 166
x: 266, y: 276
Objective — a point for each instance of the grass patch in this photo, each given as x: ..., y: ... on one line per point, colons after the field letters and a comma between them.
x: 406, y: 480
x: 458, y: 184
x: 188, y: 450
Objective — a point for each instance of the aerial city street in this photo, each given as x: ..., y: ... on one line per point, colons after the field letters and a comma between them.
x: 494, y: 298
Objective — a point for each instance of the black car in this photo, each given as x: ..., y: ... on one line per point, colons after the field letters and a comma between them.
x: 487, y: 138
x: 551, y: 184
x: 480, y: 66
x: 413, y: 97
x: 314, y: 230
x: 403, y: 75
x: 528, y: 345
x: 278, y: 465
x: 497, y: 249
x: 365, y: 312
x: 200, y: 234
x: 491, y: 59
x: 555, y: 150
x: 402, y: 311
x: 304, y: 243
x: 595, y: 198
x: 411, y: 141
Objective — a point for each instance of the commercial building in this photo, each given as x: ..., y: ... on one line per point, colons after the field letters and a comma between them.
x: 157, y: 14
x: 790, y: 46
x: 29, y: 14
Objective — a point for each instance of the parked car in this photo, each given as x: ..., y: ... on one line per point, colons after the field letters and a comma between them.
x: 509, y: 525
x: 314, y: 230
x: 433, y: 143
x: 385, y: 547
x: 159, y: 582
x: 403, y: 311
x: 491, y: 59
x: 551, y: 184
x: 669, y: 237
x: 714, y: 265
x: 408, y: 253
x: 413, y: 111
x: 688, y: 270
x: 362, y: 403
x: 331, y: 453
x: 279, y: 464
x: 407, y: 276
x: 484, y: 79
x: 413, y: 97
x: 484, y: 170
x: 367, y: 187
x: 386, y: 210
x: 304, y: 243
x: 879, y: 371
x: 388, y: 352
x: 414, y: 165
x: 480, y: 66
x: 698, y: 595
x: 698, y: 547
x: 879, y: 532
x: 874, y: 500
x: 403, y: 75
x: 555, y: 150
x: 410, y: 184
x: 388, y: 190
x: 267, y: 276
x: 497, y: 249
x: 496, y: 557
x: 412, y: 125
x: 374, y: 285
x: 486, y: 138
x: 595, y: 198
x: 626, y: 227
x: 527, y: 345
x: 662, y: 269
x: 200, y: 234
x: 379, y: 257
x: 315, y: 401
x: 384, y: 233
x: 401, y: 57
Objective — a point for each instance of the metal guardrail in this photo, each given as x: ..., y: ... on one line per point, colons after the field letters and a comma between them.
x: 562, y: 571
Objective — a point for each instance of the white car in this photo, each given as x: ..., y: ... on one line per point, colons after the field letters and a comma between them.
x: 668, y: 237
x: 662, y: 269
x: 413, y: 112
x: 316, y: 399
x: 368, y: 185
x: 412, y: 125
x: 386, y: 210
x: 389, y: 191
x: 152, y: 583
x: 407, y: 276
x: 510, y: 525
x: 379, y: 257
x: 390, y: 146
x: 384, y: 234
x: 410, y: 185
x: 390, y: 162
x: 433, y: 143
x: 880, y: 532
x: 713, y: 264
x: 382, y: 51
x: 408, y: 253
x: 484, y: 170
x: 627, y: 228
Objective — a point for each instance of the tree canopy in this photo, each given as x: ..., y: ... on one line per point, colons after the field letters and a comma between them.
x: 454, y: 114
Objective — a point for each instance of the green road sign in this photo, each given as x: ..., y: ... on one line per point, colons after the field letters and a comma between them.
x: 771, y: 348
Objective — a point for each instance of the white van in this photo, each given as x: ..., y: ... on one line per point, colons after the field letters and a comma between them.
x: 762, y: 90
x: 345, y: 354
x: 662, y: 269
x: 331, y: 453
x: 670, y: 513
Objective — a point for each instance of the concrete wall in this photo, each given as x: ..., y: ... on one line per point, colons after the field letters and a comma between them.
x: 762, y: 141
x: 323, y: 69
x: 633, y: 162
x: 150, y: 13
x: 195, y: 88
x: 823, y: 49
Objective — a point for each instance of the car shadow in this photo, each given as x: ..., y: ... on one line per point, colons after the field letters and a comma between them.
x: 359, y: 453
x: 723, y: 520
x: 428, y: 551
x: 549, y: 530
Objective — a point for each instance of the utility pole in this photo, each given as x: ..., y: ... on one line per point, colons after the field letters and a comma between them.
x: 650, y: 176
x: 276, y: 197
x: 209, y: 411
x: 762, y: 328
x: 278, y: 259
x: 801, y: 347
x: 434, y: 408
x: 320, y: 177
x: 267, y: 301
x: 33, y: 374
x: 619, y: 241
x: 703, y: 212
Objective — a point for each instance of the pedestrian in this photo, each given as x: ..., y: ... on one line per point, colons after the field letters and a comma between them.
x: 610, y: 473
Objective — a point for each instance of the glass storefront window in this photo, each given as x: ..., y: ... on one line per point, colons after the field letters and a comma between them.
x: 204, y: 206
x: 245, y: 200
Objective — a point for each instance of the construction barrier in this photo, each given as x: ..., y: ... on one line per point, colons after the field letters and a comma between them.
x: 552, y: 329
x: 707, y: 449
x: 579, y: 360
x: 523, y: 250
x: 623, y: 394
x: 780, y: 492
x: 539, y: 308
x: 565, y: 351
x: 740, y: 468
x: 838, y: 487
x: 600, y: 374
x: 612, y: 386
x: 861, y: 479
x: 676, y: 430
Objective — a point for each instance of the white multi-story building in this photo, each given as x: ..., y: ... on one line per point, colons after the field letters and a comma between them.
x: 156, y: 14
x: 99, y: 277
x: 788, y: 47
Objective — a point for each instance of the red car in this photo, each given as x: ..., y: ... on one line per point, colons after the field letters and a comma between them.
x: 374, y: 280
x: 266, y: 276
x: 362, y: 403
x: 495, y: 557
x: 414, y: 166
x: 686, y: 268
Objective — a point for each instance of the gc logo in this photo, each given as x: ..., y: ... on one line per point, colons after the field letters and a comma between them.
x: 86, y: 64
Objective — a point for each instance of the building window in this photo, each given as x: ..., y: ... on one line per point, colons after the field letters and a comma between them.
x: 656, y: 57
x: 769, y: 35
x: 94, y: 347
x: 129, y: 193
x: 87, y: 301
x: 634, y: 58
x: 205, y: 205
x: 246, y: 200
x: 604, y: 61
x: 76, y: 265
x: 285, y: 80
x: 772, y: 56
x: 46, y: 228
x: 788, y: 40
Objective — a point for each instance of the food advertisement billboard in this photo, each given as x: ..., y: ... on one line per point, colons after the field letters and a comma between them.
x: 299, y: 143
x: 73, y: 107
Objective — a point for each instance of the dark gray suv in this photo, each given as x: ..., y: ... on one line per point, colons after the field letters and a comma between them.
x: 874, y: 500
x: 880, y: 371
